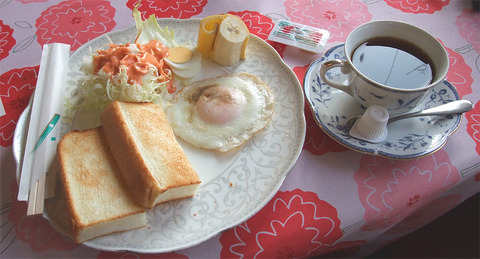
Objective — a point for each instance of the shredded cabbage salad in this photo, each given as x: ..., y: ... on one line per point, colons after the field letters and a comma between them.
x: 100, y: 88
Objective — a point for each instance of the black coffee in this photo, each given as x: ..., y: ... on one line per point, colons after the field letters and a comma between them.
x: 394, y: 62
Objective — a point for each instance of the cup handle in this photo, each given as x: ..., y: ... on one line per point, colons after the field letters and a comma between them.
x: 345, y: 69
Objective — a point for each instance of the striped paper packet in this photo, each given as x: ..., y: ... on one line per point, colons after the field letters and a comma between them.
x: 298, y: 35
x: 44, y: 126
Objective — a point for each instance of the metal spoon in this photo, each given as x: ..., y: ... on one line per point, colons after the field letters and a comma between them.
x: 455, y: 107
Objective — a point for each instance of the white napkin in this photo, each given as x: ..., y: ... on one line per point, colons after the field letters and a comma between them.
x: 44, y: 128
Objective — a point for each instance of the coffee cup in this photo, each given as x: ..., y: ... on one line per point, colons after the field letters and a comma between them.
x: 389, y: 63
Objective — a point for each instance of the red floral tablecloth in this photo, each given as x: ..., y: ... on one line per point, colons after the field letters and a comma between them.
x: 335, y: 202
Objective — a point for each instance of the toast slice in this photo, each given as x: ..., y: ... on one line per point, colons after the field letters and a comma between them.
x: 152, y: 162
x: 94, y: 191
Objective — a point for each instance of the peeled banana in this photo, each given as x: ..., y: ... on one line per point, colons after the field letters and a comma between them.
x: 223, y: 38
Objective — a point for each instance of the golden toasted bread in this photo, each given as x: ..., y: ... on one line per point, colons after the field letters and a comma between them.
x: 152, y: 162
x: 95, y: 196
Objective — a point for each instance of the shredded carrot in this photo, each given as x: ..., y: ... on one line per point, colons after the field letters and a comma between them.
x: 136, y: 64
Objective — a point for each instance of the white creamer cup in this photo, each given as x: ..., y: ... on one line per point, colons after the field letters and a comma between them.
x: 368, y: 92
x: 372, y: 126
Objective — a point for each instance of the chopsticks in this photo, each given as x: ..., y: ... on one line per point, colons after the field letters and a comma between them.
x: 43, y: 131
x: 36, y: 197
x: 43, y: 189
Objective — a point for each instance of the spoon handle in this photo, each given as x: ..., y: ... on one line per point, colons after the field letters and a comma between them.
x: 455, y: 107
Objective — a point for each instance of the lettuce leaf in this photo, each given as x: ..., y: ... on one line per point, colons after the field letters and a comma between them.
x: 149, y: 29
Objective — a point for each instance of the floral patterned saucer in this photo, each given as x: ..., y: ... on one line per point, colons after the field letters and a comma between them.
x: 407, y: 139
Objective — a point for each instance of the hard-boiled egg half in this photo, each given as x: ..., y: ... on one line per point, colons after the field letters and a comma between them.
x: 184, y: 61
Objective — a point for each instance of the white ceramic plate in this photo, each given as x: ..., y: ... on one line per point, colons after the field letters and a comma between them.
x: 407, y: 139
x: 236, y: 184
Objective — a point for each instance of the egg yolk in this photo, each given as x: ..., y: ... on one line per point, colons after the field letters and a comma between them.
x: 180, y: 55
x: 220, y: 104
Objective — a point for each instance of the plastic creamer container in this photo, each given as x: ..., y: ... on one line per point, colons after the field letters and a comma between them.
x: 298, y: 35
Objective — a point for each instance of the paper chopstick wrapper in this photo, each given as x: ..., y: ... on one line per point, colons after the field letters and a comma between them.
x: 45, y: 121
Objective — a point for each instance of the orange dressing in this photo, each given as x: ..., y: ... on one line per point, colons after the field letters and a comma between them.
x: 136, y: 65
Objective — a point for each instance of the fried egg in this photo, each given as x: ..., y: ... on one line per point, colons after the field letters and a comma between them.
x: 221, y: 113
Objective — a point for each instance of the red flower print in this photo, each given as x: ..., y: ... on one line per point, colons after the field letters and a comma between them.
x: 473, y: 125
x: 16, y: 87
x: 126, y: 255
x: 459, y: 73
x: 467, y: 23
x: 391, y: 189
x: 330, y: 15
x: 180, y: 9
x: 292, y: 224
x: 425, y: 214
x: 413, y: 200
x: 35, y: 230
x: 75, y: 22
x: 477, y: 177
x: 316, y: 140
x: 418, y: 6
x: 6, y: 40
x: 339, y: 17
x: 261, y: 26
